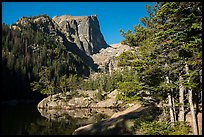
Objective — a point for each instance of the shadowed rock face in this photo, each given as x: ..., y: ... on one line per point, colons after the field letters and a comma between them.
x: 82, y: 30
x: 80, y: 34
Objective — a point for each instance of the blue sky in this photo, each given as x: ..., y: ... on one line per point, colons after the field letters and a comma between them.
x: 112, y: 16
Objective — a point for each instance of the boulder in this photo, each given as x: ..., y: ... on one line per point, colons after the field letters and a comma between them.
x: 108, y: 103
x: 86, y: 99
x: 81, y: 102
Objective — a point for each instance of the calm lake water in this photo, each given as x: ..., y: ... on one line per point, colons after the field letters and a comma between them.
x: 27, y: 120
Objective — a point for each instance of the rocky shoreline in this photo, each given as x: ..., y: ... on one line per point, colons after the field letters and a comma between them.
x: 59, y: 106
x: 86, y: 99
x: 119, y: 123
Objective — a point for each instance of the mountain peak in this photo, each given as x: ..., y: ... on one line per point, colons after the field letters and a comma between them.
x: 42, y: 18
x: 82, y: 30
x: 66, y: 16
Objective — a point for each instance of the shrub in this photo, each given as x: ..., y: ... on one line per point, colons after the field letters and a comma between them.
x: 155, y: 128
x: 164, y: 128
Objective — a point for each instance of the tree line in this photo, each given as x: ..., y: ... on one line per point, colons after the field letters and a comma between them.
x: 167, y: 60
x: 31, y: 58
x: 163, y: 69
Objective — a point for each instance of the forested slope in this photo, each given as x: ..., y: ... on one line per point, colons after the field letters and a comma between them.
x: 30, y: 56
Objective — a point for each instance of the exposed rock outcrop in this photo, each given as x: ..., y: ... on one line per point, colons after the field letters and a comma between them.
x: 64, y: 101
x: 60, y: 106
x: 82, y: 30
x: 41, y: 23
x: 106, y: 58
x: 79, y: 34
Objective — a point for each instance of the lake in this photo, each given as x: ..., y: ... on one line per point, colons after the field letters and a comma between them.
x: 27, y: 120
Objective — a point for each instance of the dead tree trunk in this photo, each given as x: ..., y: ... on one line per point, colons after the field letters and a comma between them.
x: 171, y: 111
x: 170, y: 102
x: 190, y: 100
x: 181, y: 100
x: 200, y: 73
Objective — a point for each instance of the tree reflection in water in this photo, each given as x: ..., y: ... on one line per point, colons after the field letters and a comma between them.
x: 26, y: 120
x: 64, y: 124
x: 51, y: 127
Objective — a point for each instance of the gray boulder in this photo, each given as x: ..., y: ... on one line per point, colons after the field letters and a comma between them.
x: 64, y: 101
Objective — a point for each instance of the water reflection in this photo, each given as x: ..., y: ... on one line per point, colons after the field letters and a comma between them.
x: 50, y: 127
x: 15, y: 120
x: 58, y: 114
x: 27, y: 120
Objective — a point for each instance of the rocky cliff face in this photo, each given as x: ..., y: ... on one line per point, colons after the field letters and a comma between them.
x: 106, y: 58
x: 82, y: 30
x: 80, y: 34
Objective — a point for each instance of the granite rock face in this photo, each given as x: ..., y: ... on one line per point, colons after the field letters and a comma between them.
x: 106, y: 58
x: 66, y: 102
x: 82, y: 30
x: 79, y: 34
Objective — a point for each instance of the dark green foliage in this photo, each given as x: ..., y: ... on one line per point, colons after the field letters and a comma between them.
x: 155, y: 128
x: 149, y: 124
x: 164, y: 128
x: 129, y: 86
x: 103, y: 82
x: 174, y: 44
x: 135, y: 39
x: 30, y: 53
x: 176, y: 41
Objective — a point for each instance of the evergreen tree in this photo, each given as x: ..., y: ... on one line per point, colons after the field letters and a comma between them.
x: 160, y: 59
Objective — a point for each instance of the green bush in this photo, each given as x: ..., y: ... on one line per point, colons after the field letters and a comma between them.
x: 103, y: 82
x: 181, y: 128
x: 164, y: 128
x: 155, y: 128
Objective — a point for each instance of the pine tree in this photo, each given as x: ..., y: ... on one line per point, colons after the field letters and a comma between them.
x: 176, y: 39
